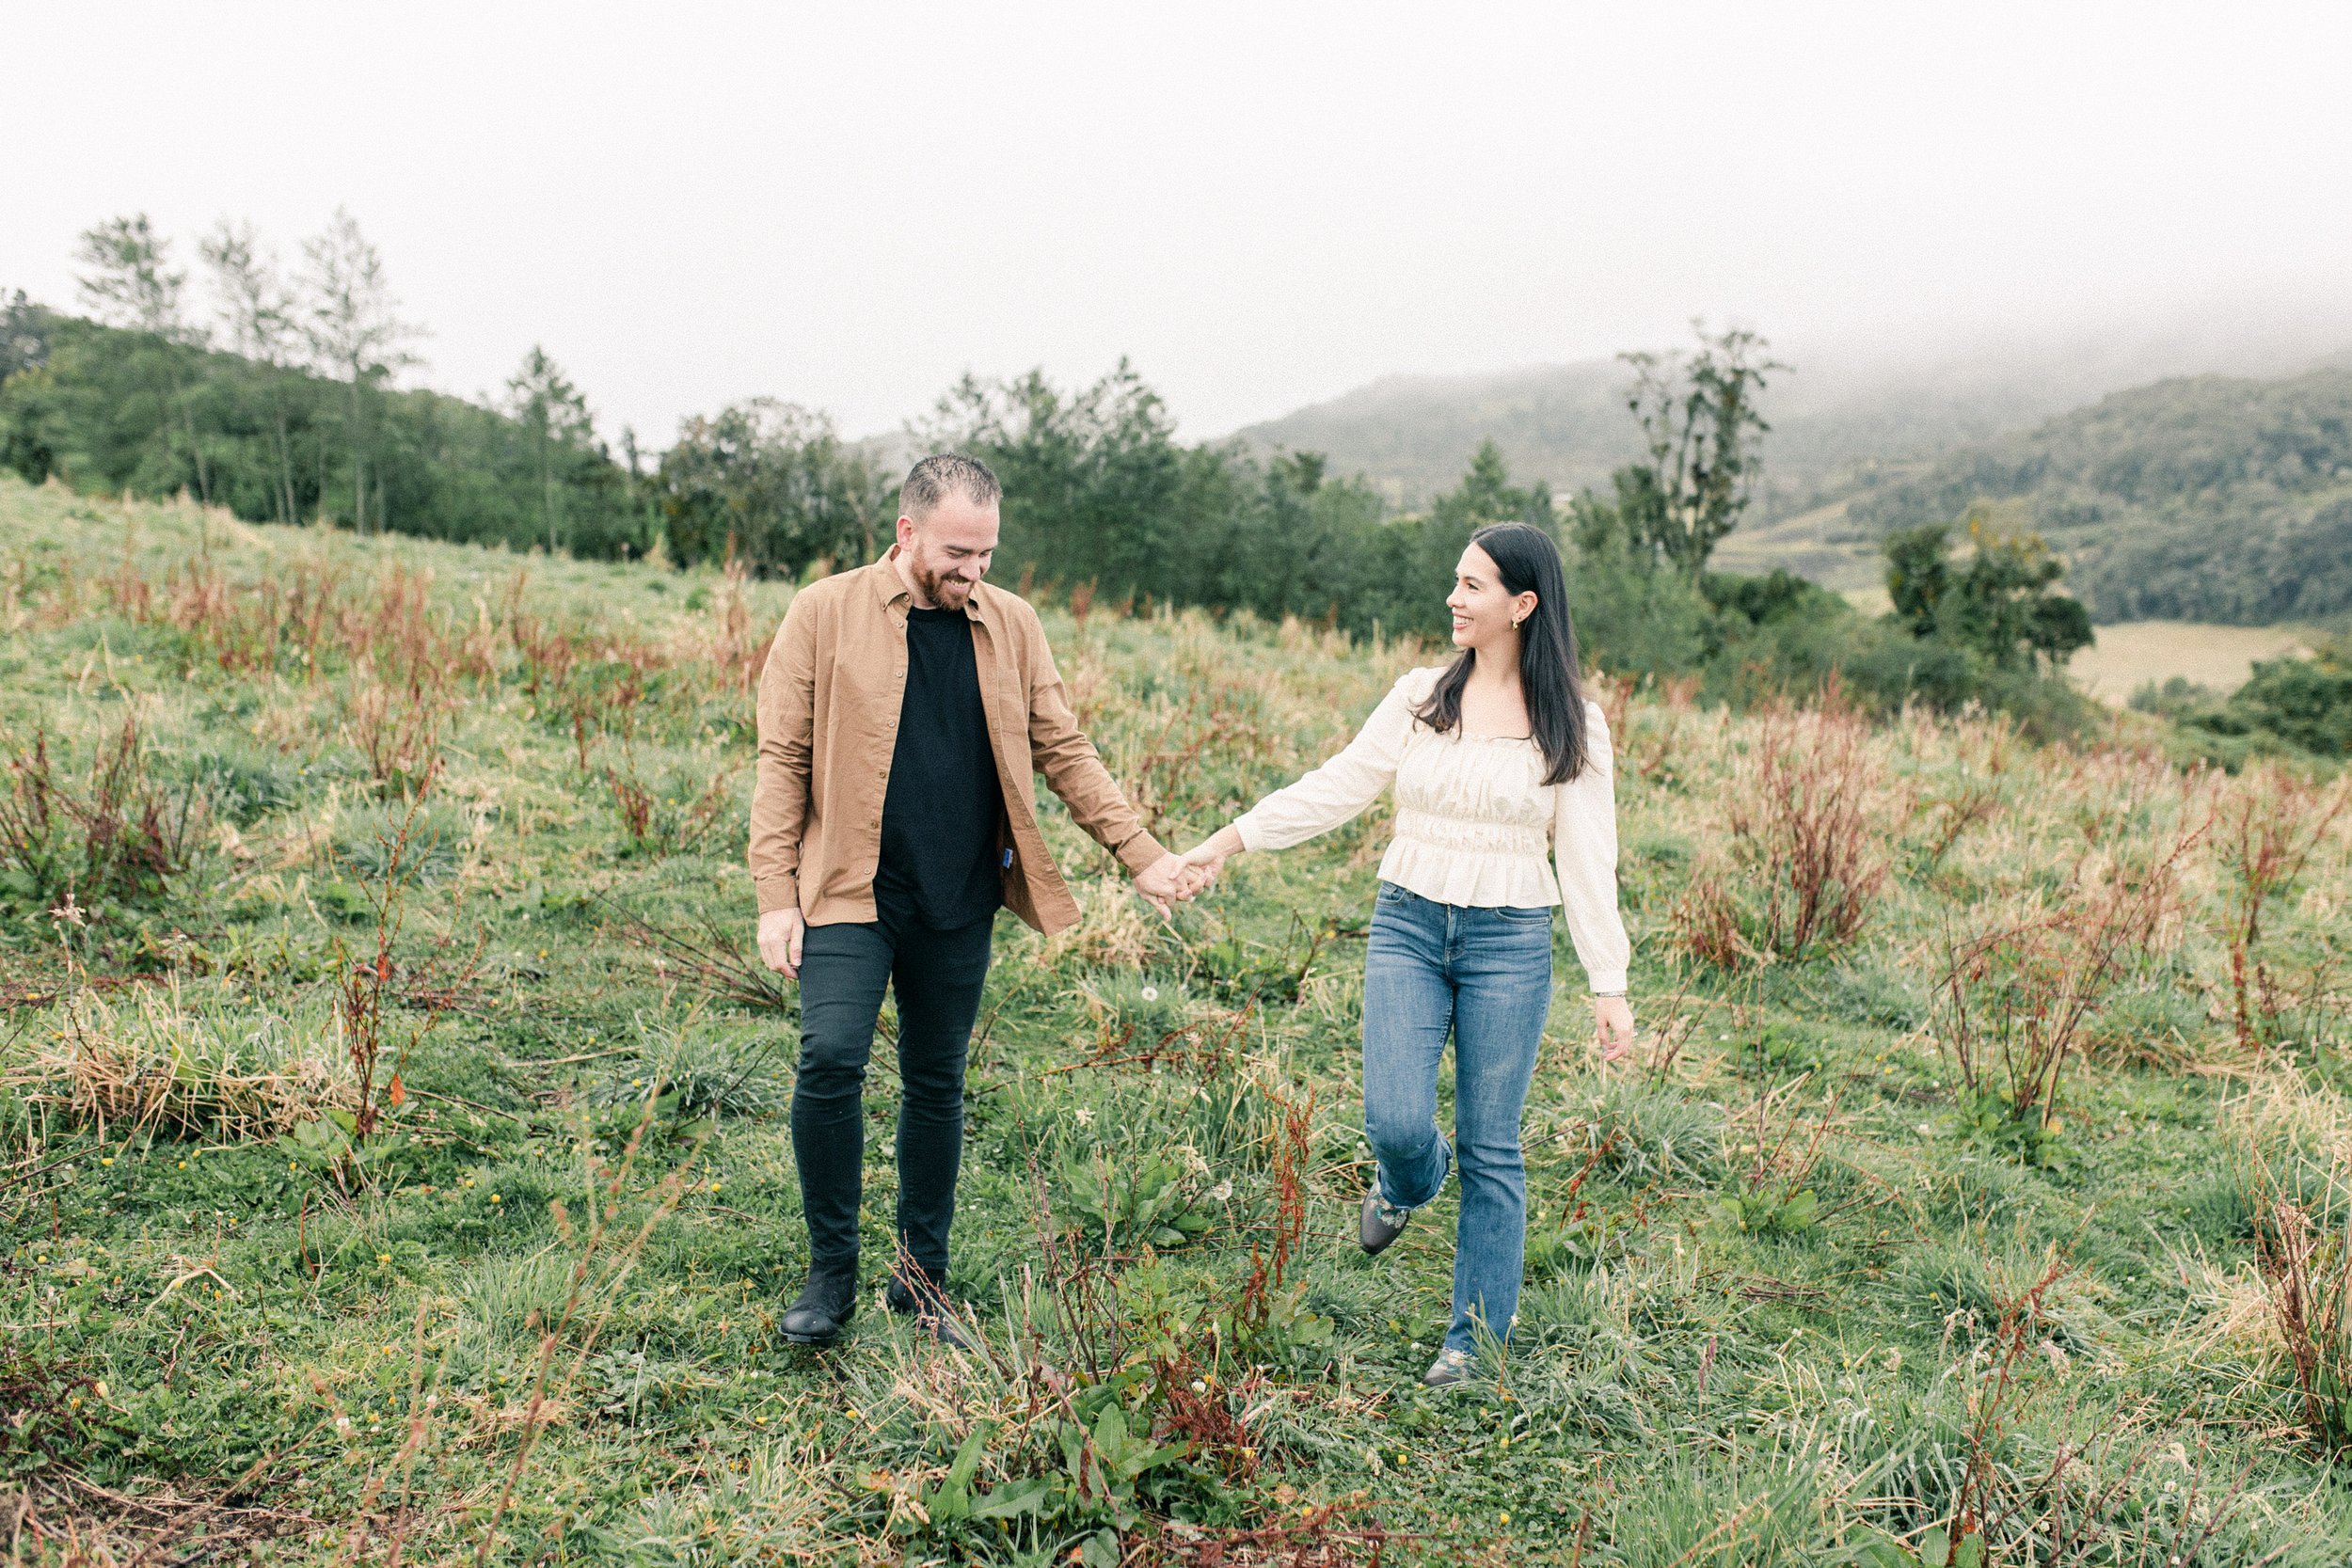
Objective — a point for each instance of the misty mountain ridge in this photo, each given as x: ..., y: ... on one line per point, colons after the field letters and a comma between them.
x: 1841, y: 412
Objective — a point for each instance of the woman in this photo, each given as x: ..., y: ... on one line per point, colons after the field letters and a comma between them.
x: 1493, y: 757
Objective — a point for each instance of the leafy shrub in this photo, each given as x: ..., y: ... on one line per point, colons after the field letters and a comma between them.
x: 2296, y: 706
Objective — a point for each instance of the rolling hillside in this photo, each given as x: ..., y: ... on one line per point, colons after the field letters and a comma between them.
x: 395, y: 1126
x: 1839, y: 416
x: 2210, y: 498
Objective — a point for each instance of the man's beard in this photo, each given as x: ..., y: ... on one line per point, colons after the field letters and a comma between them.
x: 943, y: 591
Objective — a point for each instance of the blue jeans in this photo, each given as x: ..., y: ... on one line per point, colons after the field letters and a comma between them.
x: 1483, y: 975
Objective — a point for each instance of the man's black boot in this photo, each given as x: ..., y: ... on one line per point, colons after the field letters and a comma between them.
x: 824, y: 1305
x: 924, y: 1294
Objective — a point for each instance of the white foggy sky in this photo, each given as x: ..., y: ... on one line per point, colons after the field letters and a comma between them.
x: 848, y: 205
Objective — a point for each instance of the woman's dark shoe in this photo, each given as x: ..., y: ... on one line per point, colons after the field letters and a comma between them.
x: 926, y: 1300
x: 824, y: 1305
x: 1382, y: 1222
x: 1452, y: 1366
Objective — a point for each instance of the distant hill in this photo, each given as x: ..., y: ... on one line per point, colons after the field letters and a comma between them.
x: 1568, y: 424
x: 2207, y: 497
x: 1411, y: 435
x: 1839, y: 418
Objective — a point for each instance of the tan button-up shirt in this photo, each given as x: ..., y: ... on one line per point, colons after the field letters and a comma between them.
x: 829, y: 702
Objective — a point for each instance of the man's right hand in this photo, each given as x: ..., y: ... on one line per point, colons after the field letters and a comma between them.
x: 779, y: 933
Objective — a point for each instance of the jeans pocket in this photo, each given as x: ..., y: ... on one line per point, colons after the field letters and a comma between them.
x: 1517, y: 917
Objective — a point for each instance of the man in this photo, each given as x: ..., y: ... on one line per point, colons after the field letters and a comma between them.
x: 903, y: 714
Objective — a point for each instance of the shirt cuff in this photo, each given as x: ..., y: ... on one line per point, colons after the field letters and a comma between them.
x: 1607, y: 982
x: 1246, y: 827
x: 1140, y: 853
x: 777, y: 893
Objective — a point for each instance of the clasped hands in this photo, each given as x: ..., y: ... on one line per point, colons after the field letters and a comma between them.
x: 1167, y: 881
x: 1178, y: 879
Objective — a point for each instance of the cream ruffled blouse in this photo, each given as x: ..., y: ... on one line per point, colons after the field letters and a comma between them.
x: 1474, y: 821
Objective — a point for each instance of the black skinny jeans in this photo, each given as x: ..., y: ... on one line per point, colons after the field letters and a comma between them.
x: 937, y: 976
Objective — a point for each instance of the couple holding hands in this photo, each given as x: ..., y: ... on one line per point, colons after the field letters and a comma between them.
x: 905, y: 712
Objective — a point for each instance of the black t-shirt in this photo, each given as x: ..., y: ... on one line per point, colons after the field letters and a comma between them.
x: 939, y: 814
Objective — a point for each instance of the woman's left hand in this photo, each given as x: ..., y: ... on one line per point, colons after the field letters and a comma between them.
x: 1612, y: 1028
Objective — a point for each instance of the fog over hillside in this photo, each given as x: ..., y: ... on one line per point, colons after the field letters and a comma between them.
x: 1846, y: 402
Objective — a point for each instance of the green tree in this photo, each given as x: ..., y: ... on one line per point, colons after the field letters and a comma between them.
x: 772, y: 483
x: 353, y: 326
x: 1918, y: 573
x: 2305, y: 701
x: 1704, y: 436
x: 1095, y: 483
x: 127, y: 279
x: 559, y: 429
x: 260, y: 313
x: 24, y: 329
x: 2002, y: 603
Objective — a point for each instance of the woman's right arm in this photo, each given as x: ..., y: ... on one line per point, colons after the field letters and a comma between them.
x: 1342, y: 787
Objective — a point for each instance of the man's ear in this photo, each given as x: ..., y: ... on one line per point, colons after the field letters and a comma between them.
x: 906, y: 530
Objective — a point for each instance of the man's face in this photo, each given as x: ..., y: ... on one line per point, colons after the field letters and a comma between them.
x: 947, y: 553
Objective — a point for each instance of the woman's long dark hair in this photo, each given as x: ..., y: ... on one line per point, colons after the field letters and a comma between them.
x: 1529, y: 562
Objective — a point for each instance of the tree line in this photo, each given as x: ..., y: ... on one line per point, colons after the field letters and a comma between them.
x: 283, y: 403
x: 280, y: 402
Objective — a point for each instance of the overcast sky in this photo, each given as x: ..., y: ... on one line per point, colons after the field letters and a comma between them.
x: 1263, y: 205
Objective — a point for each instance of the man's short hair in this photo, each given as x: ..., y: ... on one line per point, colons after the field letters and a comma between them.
x: 930, y: 481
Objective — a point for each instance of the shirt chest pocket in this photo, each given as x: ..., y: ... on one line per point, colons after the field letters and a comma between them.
x: 869, y: 683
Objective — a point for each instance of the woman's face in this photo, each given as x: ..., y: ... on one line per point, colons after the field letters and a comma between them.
x: 1482, y: 608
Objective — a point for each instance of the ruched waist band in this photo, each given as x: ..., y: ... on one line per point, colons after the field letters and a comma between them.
x: 1463, y: 836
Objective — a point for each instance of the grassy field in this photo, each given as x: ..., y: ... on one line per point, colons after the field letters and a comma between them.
x: 2133, y: 654
x: 394, y: 1163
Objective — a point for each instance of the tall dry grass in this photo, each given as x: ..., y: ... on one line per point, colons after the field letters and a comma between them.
x: 1806, y: 818
x: 156, y: 1059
